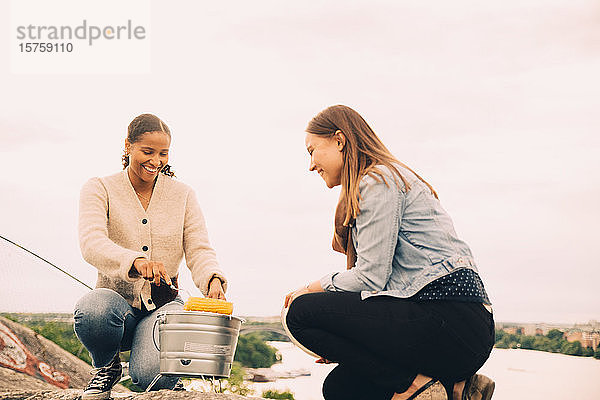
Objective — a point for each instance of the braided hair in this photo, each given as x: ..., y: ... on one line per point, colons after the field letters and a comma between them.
x: 140, y: 125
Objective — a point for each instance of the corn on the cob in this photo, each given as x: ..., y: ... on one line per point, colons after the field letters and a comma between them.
x: 208, y: 305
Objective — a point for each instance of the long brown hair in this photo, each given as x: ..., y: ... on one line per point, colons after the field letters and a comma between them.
x: 142, y: 124
x: 362, y: 152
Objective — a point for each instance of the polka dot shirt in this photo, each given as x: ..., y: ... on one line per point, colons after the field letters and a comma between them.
x: 461, y: 285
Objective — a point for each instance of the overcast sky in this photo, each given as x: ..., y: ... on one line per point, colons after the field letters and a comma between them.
x: 495, y: 104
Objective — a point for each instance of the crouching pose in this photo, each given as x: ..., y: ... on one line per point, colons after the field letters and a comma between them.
x: 409, y: 318
x: 135, y: 227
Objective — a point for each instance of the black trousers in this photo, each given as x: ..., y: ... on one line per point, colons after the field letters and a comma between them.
x: 382, y: 343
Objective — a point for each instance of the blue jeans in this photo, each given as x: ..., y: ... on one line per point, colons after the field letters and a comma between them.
x: 106, y: 324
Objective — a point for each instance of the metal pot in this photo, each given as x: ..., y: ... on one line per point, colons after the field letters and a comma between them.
x: 194, y: 343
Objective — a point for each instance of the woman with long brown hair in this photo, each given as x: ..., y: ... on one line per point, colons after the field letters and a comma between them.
x: 409, y: 318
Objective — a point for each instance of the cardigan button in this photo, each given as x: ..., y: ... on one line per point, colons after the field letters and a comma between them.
x: 145, y: 248
x: 149, y: 301
x: 144, y: 221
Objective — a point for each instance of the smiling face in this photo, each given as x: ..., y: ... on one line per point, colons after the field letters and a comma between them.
x: 147, y: 156
x: 326, y: 156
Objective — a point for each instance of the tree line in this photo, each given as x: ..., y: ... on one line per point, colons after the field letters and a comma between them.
x: 552, y: 342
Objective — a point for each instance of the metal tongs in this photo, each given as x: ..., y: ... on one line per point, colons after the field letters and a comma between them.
x: 173, y: 287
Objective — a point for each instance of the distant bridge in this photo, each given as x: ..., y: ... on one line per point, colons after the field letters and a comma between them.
x: 263, y: 328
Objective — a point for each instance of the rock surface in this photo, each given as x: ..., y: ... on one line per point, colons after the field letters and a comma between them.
x: 72, y: 394
x: 10, y: 380
x: 19, y: 386
x: 50, y: 353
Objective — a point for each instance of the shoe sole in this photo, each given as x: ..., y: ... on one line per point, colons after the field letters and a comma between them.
x: 96, y: 396
x: 433, y: 390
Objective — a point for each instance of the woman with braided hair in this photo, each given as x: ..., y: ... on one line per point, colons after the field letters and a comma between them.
x: 135, y: 227
x: 409, y: 318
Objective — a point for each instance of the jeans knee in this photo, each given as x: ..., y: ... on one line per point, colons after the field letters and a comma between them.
x: 100, y: 308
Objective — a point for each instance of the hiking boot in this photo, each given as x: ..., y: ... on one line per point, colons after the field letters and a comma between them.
x: 103, y: 380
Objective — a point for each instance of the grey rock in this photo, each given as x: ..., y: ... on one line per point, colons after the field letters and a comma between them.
x: 19, y: 386
x: 73, y: 394
x: 50, y: 353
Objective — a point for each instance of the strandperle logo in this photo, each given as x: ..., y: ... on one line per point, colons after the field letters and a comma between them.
x: 84, y: 31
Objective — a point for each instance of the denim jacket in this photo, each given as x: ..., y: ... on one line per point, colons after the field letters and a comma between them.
x: 404, y: 240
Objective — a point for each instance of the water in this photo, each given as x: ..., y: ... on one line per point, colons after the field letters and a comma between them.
x: 519, y: 374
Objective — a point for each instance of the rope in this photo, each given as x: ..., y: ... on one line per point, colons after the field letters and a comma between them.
x: 43, y: 259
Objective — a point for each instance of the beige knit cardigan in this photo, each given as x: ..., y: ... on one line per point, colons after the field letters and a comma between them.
x: 114, y: 230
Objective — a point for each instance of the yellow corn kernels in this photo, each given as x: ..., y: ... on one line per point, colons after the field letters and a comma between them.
x: 208, y: 305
